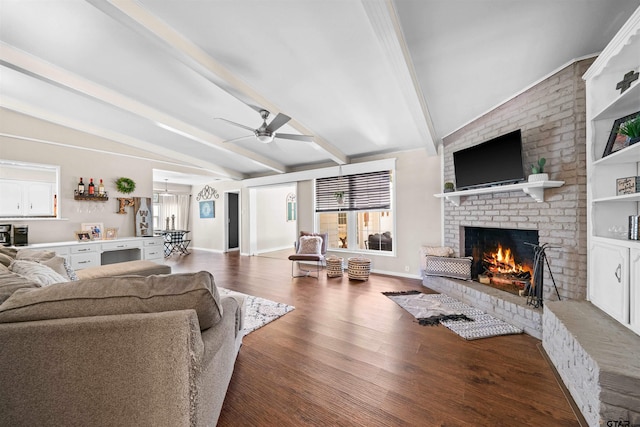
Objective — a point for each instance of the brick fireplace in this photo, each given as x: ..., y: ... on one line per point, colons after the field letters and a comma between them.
x: 551, y: 116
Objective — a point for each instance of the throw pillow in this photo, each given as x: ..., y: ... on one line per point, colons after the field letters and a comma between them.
x: 5, y: 259
x: 34, y: 254
x: 118, y: 295
x: 310, y: 245
x: 11, y: 282
x: 433, y: 251
x: 36, y: 272
x: 323, y: 236
x: 61, y: 266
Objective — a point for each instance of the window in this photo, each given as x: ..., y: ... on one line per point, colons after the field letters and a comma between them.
x: 355, y: 211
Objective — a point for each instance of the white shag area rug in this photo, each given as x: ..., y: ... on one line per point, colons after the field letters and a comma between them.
x: 468, y: 322
x: 259, y: 311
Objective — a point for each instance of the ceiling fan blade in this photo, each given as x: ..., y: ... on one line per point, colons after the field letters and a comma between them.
x: 305, y: 138
x: 234, y: 123
x: 278, y: 122
x: 238, y: 139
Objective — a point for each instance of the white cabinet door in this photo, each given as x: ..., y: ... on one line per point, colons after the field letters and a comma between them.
x: 634, y: 291
x: 10, y: 198
x: 39, y: 199
x: 609, y: 280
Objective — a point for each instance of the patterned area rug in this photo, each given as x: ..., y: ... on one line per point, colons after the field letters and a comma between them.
x: 259, y: 311
x: 468, y: 322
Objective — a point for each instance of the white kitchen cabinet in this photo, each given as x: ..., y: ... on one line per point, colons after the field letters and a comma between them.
x: 634, y: 290
x: 610, y: 272
x: 26, y: 198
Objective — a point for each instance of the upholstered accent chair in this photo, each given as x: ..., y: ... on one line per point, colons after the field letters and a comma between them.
x: 310, y: 248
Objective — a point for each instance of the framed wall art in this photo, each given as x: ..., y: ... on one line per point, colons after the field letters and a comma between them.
x: 207, y: 209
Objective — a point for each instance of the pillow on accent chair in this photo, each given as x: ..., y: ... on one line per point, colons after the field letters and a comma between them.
x: 310, y: 245
x: 37, y: 272
x: 323, y: 236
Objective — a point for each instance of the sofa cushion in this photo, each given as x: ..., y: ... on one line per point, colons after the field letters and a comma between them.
x: 37, y: 272
x: 34, y: 254
x: 11, y: 282
x: 5, y: 259
x: 118, y: 295
x: 127, y: 268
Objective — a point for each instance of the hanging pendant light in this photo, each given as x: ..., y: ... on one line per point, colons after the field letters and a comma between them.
x: 166, y: 189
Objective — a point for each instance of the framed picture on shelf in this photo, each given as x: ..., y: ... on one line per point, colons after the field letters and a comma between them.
x: 95, y: 228
x: 83, y: 236
x: 111, y: 233
x: 618, y: 141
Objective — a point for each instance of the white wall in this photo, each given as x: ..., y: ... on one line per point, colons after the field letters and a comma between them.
x: 209, y: 233
x: 274, y: 232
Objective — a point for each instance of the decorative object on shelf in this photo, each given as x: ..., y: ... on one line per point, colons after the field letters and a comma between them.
x: 91, y: 197
x: 167, y: 224
x: 291, y: 207
x: 629, y: 78
x: 95, y: 228
x: 123, y: 203
x: 207, y: 193
x: 143, y: 216
x: 449, y: 187
x: 630, y: 185
x: 80, y: 187
x: 173, y: 222
x: 83, y: 236
x: 631, y: 130
x: 125, y: 185
x: 111, y: 233
x: 537, y: 171
x: 634, y: 229
x: 619, y: 138
x: 207, y: 209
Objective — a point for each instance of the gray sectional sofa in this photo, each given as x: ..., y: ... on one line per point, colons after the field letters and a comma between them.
x: 131, y: 350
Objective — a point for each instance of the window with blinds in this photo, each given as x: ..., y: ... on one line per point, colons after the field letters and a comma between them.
x: 365, y: 191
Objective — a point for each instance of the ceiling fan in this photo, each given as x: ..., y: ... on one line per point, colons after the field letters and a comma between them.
x: 267, y: 132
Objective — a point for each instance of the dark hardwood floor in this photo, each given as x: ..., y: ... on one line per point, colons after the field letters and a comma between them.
x: 349, y: 356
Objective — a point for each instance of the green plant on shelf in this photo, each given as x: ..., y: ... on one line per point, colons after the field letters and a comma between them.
x: 539, y: 168
x: 631, y: 128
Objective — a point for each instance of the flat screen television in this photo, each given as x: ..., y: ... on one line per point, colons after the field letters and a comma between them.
x: 494, y: 162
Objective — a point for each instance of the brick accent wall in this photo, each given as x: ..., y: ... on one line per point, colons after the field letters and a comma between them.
x: 552, y: 116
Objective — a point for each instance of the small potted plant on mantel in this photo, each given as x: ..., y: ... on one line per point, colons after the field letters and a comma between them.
x: 537, y: 171
x: 449, y: 187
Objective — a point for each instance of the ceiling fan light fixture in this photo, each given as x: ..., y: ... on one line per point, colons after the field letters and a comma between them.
x: 265, y: 138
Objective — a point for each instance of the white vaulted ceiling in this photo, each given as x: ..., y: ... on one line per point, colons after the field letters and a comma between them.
x: 362, y: 77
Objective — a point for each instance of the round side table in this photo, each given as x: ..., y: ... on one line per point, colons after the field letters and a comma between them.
x: 358, y: 268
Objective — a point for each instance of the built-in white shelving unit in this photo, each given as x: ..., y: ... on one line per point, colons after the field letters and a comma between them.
x: 613, y: 259
x: 533, y: 189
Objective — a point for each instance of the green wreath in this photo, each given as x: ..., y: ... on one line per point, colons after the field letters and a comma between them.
x: 125, y: 185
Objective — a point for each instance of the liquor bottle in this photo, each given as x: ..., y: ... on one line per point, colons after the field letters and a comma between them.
x: 92, y: 187
x: 80, y: 187
x: 101, y: 188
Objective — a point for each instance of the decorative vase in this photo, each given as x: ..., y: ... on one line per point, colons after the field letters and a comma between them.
x: 536, y: 177
x: 340, y: 200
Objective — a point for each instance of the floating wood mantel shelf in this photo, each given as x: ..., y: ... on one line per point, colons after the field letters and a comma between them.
x: 533, y: 189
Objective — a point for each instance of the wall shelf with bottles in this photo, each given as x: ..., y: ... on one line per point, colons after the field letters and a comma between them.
x: 92, y: 197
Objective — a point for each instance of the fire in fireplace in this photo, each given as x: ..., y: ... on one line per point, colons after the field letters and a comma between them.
x: 502, y: 258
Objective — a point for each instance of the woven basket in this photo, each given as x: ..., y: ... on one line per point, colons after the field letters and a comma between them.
x: 334, y: 266
x: 359, y: 268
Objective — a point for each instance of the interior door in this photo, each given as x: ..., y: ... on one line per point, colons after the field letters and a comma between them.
x: 233, y: 214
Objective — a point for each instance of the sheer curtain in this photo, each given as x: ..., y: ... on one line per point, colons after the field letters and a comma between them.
x: 178, y: 205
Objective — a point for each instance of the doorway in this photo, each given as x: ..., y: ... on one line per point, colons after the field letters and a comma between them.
x: 233, y: 221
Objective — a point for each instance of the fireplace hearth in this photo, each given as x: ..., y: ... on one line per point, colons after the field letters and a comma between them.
x: 502, y: 258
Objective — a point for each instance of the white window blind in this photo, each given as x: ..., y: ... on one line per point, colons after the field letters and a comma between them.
x: 364, y: 191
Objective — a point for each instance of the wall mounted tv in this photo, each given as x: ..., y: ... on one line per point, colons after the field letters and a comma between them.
x: 493, y: 162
